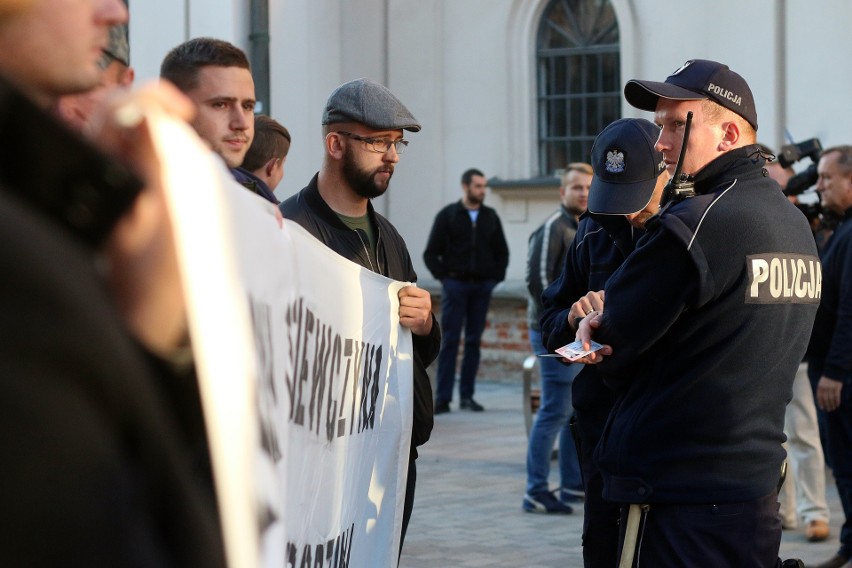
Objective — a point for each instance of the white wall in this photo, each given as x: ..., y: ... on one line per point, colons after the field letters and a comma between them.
x: 465, y: 68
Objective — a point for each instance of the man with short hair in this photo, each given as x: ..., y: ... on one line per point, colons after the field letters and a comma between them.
x: 829, y: 354
x: 263, y: 166
x: 99, y: 428
x: 704, y: 326
x: 216, y: 76
x: 546, y: 251
x: 363, y: 125
x: 467, y: 252
x: 802, y: 496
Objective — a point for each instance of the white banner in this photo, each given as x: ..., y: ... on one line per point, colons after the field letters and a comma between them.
x: 305, y: 372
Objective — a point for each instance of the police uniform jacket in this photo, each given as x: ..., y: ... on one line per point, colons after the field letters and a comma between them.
x: 832, y: 334
x: 459, y: 248
x: 308, y: 209
x: 708, y: 319
x: 600, y: 246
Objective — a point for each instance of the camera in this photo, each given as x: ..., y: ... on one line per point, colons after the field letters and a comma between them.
x: 791, y: 154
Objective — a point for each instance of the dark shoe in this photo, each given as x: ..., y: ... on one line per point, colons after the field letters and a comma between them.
x: 793, y: 563
x: 442, y: 407
x: 470, y: 404
x: 816, y: 531
x: 545, y: 502
x: 572, y: 495
x: 836, y: 562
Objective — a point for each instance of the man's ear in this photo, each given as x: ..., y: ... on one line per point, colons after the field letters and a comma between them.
x: 270, y: 166
x: 730, y: 135
x: 334, y: 145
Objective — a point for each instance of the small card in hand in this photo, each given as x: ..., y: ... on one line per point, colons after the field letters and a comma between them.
x: 574, y: 351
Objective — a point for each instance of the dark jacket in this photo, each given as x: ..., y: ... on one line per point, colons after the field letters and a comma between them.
x: 831, y: 342
x: 308, y: 209
x: 99, y: 439
x: 458, y: 248
x: 546, y: 250
x: 596, y: 252
x: 708, y: 319
x: 254, y: 184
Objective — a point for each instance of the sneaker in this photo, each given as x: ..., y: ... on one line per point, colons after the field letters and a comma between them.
x: 545, y: 502
x: 572, y: 495
x: 470, y: 404
x: 442, y: 406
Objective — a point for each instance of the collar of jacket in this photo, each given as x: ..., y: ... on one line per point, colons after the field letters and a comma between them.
x: 326, y: 213
x: 740, y: 162
x: 254, y: 184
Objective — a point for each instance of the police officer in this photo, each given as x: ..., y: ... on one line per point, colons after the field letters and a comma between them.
x: 629, y: 177
x: 703, y: 329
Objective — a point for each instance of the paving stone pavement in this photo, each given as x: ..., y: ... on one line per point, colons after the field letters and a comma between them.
x: 470, y: 484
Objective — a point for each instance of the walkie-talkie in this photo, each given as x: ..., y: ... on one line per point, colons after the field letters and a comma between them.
x: 680, y: 185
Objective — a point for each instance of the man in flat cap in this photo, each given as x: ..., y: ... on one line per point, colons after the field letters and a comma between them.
x: 704, y: 326
x: 363, y: 125
x: 628, y: 182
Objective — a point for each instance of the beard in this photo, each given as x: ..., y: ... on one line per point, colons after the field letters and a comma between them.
x: 364, y: 183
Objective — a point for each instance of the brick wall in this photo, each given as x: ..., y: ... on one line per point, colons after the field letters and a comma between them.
x: 505, y: 341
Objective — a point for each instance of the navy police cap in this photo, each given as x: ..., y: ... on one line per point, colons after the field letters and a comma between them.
x: 697, y: 79
x: 626, y: 167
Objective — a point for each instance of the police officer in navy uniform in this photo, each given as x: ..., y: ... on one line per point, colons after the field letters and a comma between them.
x: 703, y: 329
x: 630, y: 176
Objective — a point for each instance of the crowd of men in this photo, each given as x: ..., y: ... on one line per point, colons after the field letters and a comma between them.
x: 700, y: 283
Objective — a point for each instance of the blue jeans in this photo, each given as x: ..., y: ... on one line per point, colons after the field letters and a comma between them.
x: 838, y: 441
x: 464, y: 303
x: 551, y: 419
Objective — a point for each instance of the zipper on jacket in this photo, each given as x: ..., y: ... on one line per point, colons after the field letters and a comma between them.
x: 377, y: 267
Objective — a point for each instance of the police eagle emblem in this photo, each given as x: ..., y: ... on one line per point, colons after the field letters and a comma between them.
x: 615, y: 161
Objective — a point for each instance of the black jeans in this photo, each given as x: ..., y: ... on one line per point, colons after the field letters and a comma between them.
x: 464, y: 304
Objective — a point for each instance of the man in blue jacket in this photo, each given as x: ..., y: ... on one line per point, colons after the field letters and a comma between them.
x: 703, y: 329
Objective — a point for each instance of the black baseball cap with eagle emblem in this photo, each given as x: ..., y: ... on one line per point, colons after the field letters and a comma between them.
x: 626, y: 167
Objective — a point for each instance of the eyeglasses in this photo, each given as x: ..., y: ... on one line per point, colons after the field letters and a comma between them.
x: 378, y: 145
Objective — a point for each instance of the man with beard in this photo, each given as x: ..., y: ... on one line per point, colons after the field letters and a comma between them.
x: 467, y: 252
x: 363, y: 126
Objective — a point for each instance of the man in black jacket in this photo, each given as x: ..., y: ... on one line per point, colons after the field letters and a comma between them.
x: 829, y: 355
x: 98, y: 433
x: 363, y: 124
x: 467, y: 252
x: 704, y: 326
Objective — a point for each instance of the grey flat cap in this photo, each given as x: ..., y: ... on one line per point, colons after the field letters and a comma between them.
x: 369, y: 103
x: 117, y: 49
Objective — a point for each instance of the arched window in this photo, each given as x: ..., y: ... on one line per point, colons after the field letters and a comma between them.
x: 579, y: 84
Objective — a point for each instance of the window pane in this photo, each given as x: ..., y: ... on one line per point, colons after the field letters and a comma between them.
x: 579, y: 79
